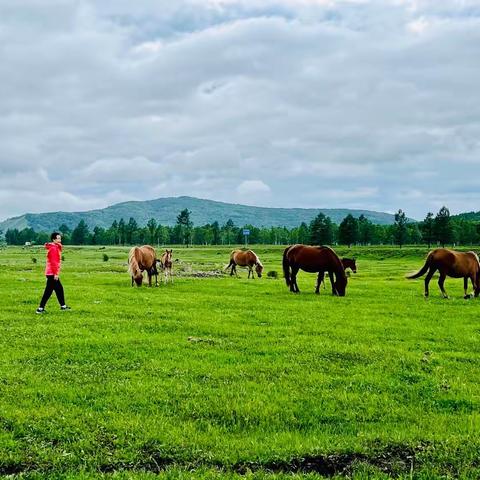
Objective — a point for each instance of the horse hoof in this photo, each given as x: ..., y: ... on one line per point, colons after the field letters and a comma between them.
x: 468, y: 296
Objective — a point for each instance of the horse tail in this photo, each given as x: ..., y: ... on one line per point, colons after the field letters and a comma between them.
x: 423, y: 270
x: 286, y: 267
x: 133, y: 267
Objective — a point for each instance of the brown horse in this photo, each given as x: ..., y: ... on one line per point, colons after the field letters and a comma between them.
x: 350, y: 263
x: 167, y: 264
x: 245, y: 259
x: 141, y: 259
x: 314, y: 259
x: 454, y: 264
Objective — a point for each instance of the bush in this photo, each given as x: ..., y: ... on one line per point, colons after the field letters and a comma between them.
x: 272, y: 274
x: 105, y: 257
x: 34, y: 260
x: 63, y: 258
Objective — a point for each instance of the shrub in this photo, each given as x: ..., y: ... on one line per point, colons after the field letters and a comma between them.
x: 105, y: 257
x: 34, y: 260
x: 272, y: 274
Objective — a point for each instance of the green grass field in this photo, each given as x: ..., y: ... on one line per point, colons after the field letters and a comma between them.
x: 218, y: 377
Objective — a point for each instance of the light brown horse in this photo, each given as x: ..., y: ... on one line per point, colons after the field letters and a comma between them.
x: 166, y: 264
x: 453, y: 264
x: 142, y: 259
x: 314, y: 259
x: 245, y: 259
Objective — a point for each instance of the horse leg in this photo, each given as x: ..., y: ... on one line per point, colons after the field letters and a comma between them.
x: 330, y: 275
x: 428, y: 278
x: 293, y: 285
x: 132, y: 281
x: 320, y: 279
x: 441, y: 282
x: 465, y: 287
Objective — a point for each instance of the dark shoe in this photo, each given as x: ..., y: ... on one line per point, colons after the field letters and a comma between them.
x: 40, y: 310
x: 65, y: 307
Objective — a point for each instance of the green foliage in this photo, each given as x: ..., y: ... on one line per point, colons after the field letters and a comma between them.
x: 348, y: 231
x: 105, y: 257
x: 400, y: 228
x: 321, y: 230
x: 81, y: 234
x: 443, y: 227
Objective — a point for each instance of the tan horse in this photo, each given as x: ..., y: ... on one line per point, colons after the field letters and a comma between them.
x: 314, y: 259
x: 141, y: 259
x: 245, y: 259
x: 453, y: 264
x: 166, y: 264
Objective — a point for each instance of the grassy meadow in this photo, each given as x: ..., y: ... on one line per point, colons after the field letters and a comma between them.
x: 219, y: 377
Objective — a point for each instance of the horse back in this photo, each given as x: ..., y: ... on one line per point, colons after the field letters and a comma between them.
x: 314, y: 259
x: 455, y: 264
x: 146, y: 256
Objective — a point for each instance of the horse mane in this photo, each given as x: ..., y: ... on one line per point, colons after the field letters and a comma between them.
x: 133, y: 267
x: 257, y: 260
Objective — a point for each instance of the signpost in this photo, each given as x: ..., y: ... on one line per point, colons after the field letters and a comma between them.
x: 246, y: 233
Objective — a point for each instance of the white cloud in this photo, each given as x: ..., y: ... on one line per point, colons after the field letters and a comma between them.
x: 114, y: 100
x: 253, y: 187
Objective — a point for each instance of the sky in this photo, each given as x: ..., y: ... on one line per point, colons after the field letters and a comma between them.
x: 371, y: 104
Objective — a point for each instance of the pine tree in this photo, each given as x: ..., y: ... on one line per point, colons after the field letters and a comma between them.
x: 443, y: 227
x: 400, y: 228
x: 428, y: 229
x: 348, y: 230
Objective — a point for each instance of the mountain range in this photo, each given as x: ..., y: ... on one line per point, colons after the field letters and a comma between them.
x: 165, y: 211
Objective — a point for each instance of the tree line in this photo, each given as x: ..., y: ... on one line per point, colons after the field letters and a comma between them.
x: 436, y: 229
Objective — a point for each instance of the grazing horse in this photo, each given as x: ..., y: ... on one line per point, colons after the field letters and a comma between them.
x: 350, y: 263
x: 454, y: 264
x: 140, y: 259
x: 167, y: 264
x: 245, y: 259
x: 314, y: 259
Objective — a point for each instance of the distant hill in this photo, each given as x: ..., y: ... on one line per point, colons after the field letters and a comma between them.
x: 471, y: 216
x: 165, y: 211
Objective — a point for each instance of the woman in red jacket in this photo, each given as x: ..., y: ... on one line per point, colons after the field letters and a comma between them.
x: 52, y: 270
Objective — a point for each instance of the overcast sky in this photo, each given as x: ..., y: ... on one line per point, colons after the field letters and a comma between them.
x: 284, y: 103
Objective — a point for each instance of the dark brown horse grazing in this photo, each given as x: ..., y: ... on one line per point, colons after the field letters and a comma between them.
x: 314, y: 259
x: 453, y: 264
x: 167, y: 264
x: 245, y: 259
x: 141, y: 259
x: 350, y: 263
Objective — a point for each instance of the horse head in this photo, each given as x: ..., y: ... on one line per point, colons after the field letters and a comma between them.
x: 354, y: 265
x: 138, y: 278
x: 340, y: 285
x: 259, y: 269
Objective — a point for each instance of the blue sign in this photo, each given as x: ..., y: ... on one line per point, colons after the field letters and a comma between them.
x: 246, y: 231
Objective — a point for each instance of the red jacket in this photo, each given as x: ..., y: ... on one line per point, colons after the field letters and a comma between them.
x: 54, y: 258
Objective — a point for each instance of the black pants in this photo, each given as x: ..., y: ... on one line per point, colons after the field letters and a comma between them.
x: 52, y: 285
